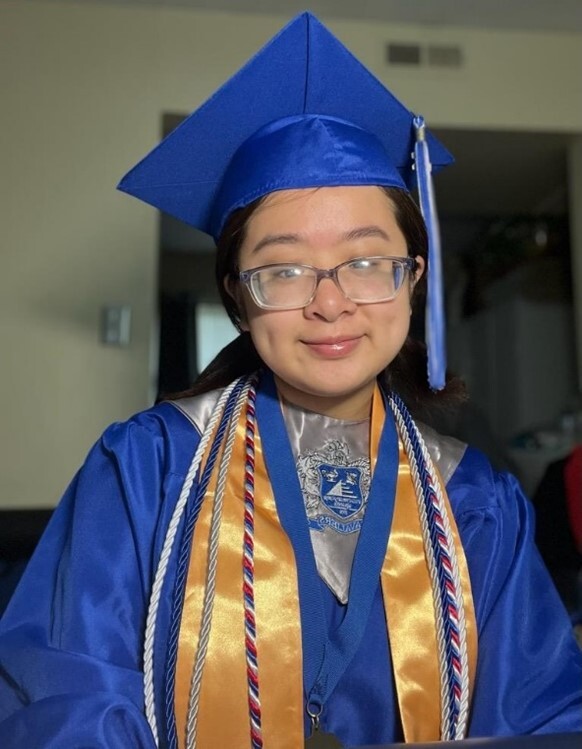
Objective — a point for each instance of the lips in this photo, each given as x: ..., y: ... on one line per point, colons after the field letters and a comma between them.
x: 333, y: 348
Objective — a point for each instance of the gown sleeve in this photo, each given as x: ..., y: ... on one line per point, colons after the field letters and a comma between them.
x: 529, y: 669
x: 71, y: 638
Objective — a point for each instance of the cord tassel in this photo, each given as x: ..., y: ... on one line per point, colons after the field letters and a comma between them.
x: 435, y: 319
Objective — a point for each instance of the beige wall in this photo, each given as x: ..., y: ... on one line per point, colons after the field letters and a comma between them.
x: 82, y: 91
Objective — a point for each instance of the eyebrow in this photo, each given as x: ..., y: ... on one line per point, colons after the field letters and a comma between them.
x: 361, y: 232
x: 276, y: 239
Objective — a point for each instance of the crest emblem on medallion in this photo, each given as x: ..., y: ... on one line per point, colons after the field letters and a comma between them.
x: 335, y: 487
x: 341, y: 489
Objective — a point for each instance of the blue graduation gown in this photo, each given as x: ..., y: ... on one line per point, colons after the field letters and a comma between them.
x: 71, y: 641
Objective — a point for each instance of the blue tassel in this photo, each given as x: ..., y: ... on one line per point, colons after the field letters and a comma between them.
x: 435, y: 318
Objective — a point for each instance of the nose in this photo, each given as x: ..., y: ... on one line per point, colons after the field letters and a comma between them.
x: 329, y: 302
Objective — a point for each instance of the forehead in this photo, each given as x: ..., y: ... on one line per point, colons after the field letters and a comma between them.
x: 324, y: 210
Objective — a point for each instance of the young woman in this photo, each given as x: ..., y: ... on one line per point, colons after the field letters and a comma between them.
x: 284, y: 549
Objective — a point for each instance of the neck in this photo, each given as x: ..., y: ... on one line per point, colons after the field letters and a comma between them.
x: 350, y: 407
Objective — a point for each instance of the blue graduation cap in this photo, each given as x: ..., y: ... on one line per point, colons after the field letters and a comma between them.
x: 303, y: 112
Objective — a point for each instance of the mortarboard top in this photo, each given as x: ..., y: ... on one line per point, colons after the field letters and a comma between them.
x: 303, y: 112
x: 336, y: 108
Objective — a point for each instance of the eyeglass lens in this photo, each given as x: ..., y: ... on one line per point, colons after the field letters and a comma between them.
x: 361, y: 280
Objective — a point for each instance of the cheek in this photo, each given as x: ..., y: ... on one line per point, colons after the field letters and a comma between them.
x: 247, y: 309
x: 391, y: 328
x: 396, y: 314
x: 269, y: 330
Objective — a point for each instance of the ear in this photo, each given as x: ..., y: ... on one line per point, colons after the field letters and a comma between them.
x: 233, y: 290
x: 420, y: 268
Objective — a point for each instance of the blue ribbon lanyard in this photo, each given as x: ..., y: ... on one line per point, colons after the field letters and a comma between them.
x: 327, y: 655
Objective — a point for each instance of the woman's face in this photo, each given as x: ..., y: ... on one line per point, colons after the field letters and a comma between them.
x: 326, y: 356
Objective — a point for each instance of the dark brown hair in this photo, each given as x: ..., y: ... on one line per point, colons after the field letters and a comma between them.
x: 406, y: 374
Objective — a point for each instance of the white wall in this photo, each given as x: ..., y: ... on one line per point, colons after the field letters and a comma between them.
x: 82, y: 92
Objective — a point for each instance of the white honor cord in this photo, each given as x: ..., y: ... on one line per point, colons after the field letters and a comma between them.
x: 150, y: 630
x: 210, y: 587
x: 432, y: 569
x: 461, y: 726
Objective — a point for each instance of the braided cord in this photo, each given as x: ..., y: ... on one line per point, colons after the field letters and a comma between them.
x: 159, y: 578
x: 210, y: 587
x: 249, y: 577
x: 430, y: 555
x: 192, y: 512
x: 453, y: 600
x: 445, y: 578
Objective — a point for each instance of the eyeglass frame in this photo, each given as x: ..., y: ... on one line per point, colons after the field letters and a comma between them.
x: 409, y: 263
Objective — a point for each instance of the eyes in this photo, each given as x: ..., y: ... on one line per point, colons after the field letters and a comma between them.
x: 287, y: 272
x: 360, y: 265
x: 366, y: 264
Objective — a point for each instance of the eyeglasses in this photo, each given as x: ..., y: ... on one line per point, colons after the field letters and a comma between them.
x: 364, y: 280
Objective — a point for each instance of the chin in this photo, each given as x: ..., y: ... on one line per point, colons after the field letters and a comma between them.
x: 337, y: 387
